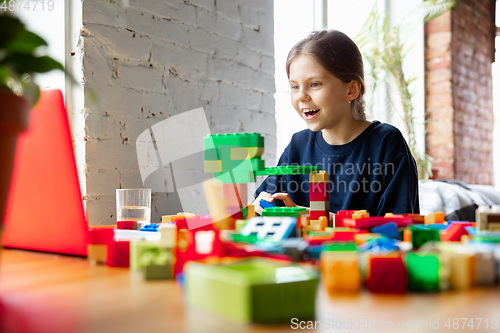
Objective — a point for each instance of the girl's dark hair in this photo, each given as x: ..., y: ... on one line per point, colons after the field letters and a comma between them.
x: 339, y: 55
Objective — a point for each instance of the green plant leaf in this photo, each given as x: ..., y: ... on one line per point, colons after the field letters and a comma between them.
x: 10, y: 28
x: 26, y: 63
x: 26, y: 42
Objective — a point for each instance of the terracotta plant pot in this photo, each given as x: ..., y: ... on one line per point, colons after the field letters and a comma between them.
x: 14, y: 117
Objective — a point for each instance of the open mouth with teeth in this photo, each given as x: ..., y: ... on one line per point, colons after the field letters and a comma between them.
x: 309, y: 114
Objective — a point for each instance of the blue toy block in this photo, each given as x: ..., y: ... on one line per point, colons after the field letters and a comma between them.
x: 388, y: 229
x: 150, y: 227
x: 266, y: 204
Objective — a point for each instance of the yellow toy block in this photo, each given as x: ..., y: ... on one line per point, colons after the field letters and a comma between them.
x: 306, y: 229
x: 320, y: 224
x: 494, y: 226
x: 250, y: 210
x: 340, y: 271
x: 437, y: 217
x: 97, y: 253
x: 319, y: 205
x: 363, y: 238
x: 318, y: 177
x: 243, y: 153
x: 462, y: 271
x: 168, y: 235
x: 213, y: 166
x: 360, y: 214
x: 173, y: 218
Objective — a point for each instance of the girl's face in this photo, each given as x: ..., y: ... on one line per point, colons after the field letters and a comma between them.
x: 319, y: 97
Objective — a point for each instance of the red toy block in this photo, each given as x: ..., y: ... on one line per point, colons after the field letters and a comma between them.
x: 126, y: 225
x: 375, y: 221
x: 118, y: 254
x: 316, y: 214
x: 454, y: 232
x: 337, y: 236
x: 100, y: 235
x: 341, y: 215
x: 386, y: 275
x: 416, y: 218
x: 318, y: 192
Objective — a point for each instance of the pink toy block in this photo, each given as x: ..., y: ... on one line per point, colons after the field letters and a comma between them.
x: 455, y: 231
x: 126, y: 225
x: 375, y: 221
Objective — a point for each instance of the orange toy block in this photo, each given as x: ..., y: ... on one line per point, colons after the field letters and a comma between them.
x: 97, y: 253
x: 437, y: 217
x: 340, y: 272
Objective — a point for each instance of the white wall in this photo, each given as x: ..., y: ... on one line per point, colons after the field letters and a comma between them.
x: 152, y: 60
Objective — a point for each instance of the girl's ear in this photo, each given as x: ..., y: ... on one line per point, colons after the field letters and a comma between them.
x: 354, y: 90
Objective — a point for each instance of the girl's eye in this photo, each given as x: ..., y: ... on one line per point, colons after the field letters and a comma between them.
x: 295, y: 87
x: 315, y: 84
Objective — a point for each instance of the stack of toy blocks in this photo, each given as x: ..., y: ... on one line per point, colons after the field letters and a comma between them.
x: 234, y: 160
x: 319, y: 200
x: 97, y: 248
x: 255, y: 290
x: 339, y: 268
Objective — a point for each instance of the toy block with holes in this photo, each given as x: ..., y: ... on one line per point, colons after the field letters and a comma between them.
x: 420, y: 234
x: 386, y: 274
x: 252, y: 290
x: 487, y: 217
x: 270, y: 228
x: 339, y: 266
x: 342, y: 215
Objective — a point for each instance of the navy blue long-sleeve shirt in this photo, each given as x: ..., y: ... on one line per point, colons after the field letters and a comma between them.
x: 375, y: 171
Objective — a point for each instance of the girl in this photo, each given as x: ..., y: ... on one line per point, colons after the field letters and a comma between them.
x: 369, y: 163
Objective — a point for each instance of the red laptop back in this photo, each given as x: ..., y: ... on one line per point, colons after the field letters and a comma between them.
x: 44, y: 209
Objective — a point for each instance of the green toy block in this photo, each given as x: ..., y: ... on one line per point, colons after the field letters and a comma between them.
x: 158, y: 272
x: 284, y: 211
x: 338, y: 246
x: 255, y: 290
x: 238, y: 139
x: 235, y: 177
x: 320, y: 233
x: 143, y: 253
x: 253, y: 164
x: 422, y: 234
x: 288, y: 170
x: 423, y: 272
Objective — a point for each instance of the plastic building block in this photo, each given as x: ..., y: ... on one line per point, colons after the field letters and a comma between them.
x: 295, y: 248
x: 213, y: 166
x: 288, y: 170
x: 319, y: 224
x: 318, y: 177
x: 416, y: 218
x: 150, y: 227
x: 485, y: 267
x: 273, y: 228
x: 255, y: 290
x: 285, y: 211
x: 339, y: 246
x: 239, y: 225
x: 97, y: 253
x: 486, y: 215
x: 437, y: 217
x: 266, y: 204
x: 175, y: 218
x: 379, y: 245
x: 462, y: 271
x: 338, y: 236
x: 423, y: 272
x: 126, y: 225
x: 363, y: 238
x: 320, y: 205
x: 168, y: 234
x: 455, y: 231
x: 118, y: 254
x: 340, y: 216
x: 158, y: 272
x: 389, y: 230
x: 386, y: 274
x: 420, y: 235
x: 237, y: 139
x: 243, y: 153
x: 363, y: 213
x: 375, y: 221
x: 340, y: 271
x: 407, y: 235
x: 143, y: 253
x: 318, y: 191
x: 100, y: 235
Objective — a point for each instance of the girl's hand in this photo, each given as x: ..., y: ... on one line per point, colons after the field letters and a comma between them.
x: 262, y: 196
x: 286, y: 198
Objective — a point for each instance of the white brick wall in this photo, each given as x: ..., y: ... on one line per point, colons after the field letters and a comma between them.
x: 155, y: 59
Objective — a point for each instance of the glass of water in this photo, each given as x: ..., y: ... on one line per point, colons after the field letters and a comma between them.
x: 133, y: 204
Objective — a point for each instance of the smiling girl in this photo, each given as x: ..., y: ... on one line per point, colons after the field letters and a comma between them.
x: 369, y: 163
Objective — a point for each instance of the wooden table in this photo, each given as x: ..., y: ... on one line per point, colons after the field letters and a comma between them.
x: 54, y: 293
